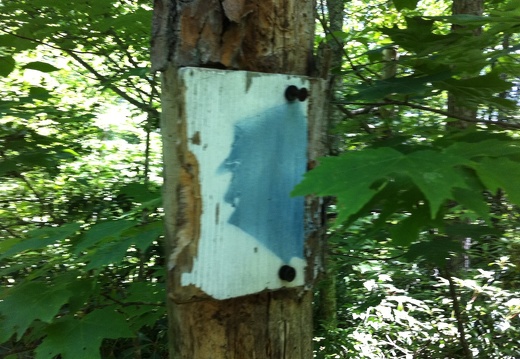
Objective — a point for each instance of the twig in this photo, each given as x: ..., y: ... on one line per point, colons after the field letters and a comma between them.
x: 43, y: 207
x: 506, y: 125
x: 127, y: 304
x: 8, y: 230
x: 117, y: 90
x: 345, y: 53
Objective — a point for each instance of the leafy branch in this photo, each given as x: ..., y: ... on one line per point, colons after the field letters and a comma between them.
x: 142, y: 106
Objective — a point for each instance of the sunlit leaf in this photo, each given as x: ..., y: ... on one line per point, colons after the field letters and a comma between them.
x: 24, y: 303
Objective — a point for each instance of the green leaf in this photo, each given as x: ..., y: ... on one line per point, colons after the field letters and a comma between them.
x: 473, y: 91
x: 114, y: 252
x: 6, y: 65
x: 485, y: 148
x: 144, y: 236
x: 501, y: 173
x: 81, y: 338
x: 399, y: 85
x: 81, y: 289
x: 39, y: 93
x: 142, y: 72
x: 105, y: 231
x: 41, y: 238
x: 475, y: 231
x: 140, y: 192
x: 472, y: 200
x: 352, y: 177
x: 435, y: 174
x: 405, y: 4
x: 24, y: 303
x: 418, y: 36
x: 109, y: 253
x: 141, y: 315
x: 491, y: 82
x: 407, y: 230
x: 40, y: 66
x: 467, y: 19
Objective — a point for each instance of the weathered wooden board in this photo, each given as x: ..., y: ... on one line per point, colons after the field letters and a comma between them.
x: 249, y: 144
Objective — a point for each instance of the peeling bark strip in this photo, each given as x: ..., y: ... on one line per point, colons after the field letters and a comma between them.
x: 264, y: 36
x: 182, y: 201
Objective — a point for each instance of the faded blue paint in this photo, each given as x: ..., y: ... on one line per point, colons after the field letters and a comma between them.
x: 267, y: 159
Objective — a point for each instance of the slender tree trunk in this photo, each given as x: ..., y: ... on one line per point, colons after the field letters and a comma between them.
x: 459, y: 7
x: 272, y: 36
x: 331, y: 59
x: 470, y: 7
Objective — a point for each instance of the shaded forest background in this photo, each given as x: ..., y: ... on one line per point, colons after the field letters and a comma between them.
x: 421, y: 181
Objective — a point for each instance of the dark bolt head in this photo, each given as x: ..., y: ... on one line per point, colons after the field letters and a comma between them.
x: 294, y: 93
x: 287, y: 273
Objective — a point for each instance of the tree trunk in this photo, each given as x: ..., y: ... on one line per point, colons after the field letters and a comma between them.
x: 469, y: 7
x: 271, y: 36
x: 460, y: 7
x: 332, y: 54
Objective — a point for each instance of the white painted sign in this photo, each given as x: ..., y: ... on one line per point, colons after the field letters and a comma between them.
x: 249, y: 139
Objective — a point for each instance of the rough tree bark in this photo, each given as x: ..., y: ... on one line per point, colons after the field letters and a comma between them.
x: 272, y: 36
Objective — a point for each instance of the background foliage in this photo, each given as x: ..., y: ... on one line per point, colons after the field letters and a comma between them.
x: 423, y: 257
x: 423, y: 241
x: 81, y: 259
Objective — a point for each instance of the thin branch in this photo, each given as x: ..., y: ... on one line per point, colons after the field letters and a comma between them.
x: 506, y: 125
x: 117, y: 90
x: 44, y: 43
x: 458, y: 317
x: 8, y: 230
x: 368, y: 258
x: 345, y: 53
x: 127, y: 304
x: 43, y: 207
x: 124, y: 48
x: 118, y: 69
x: 148, y: 129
